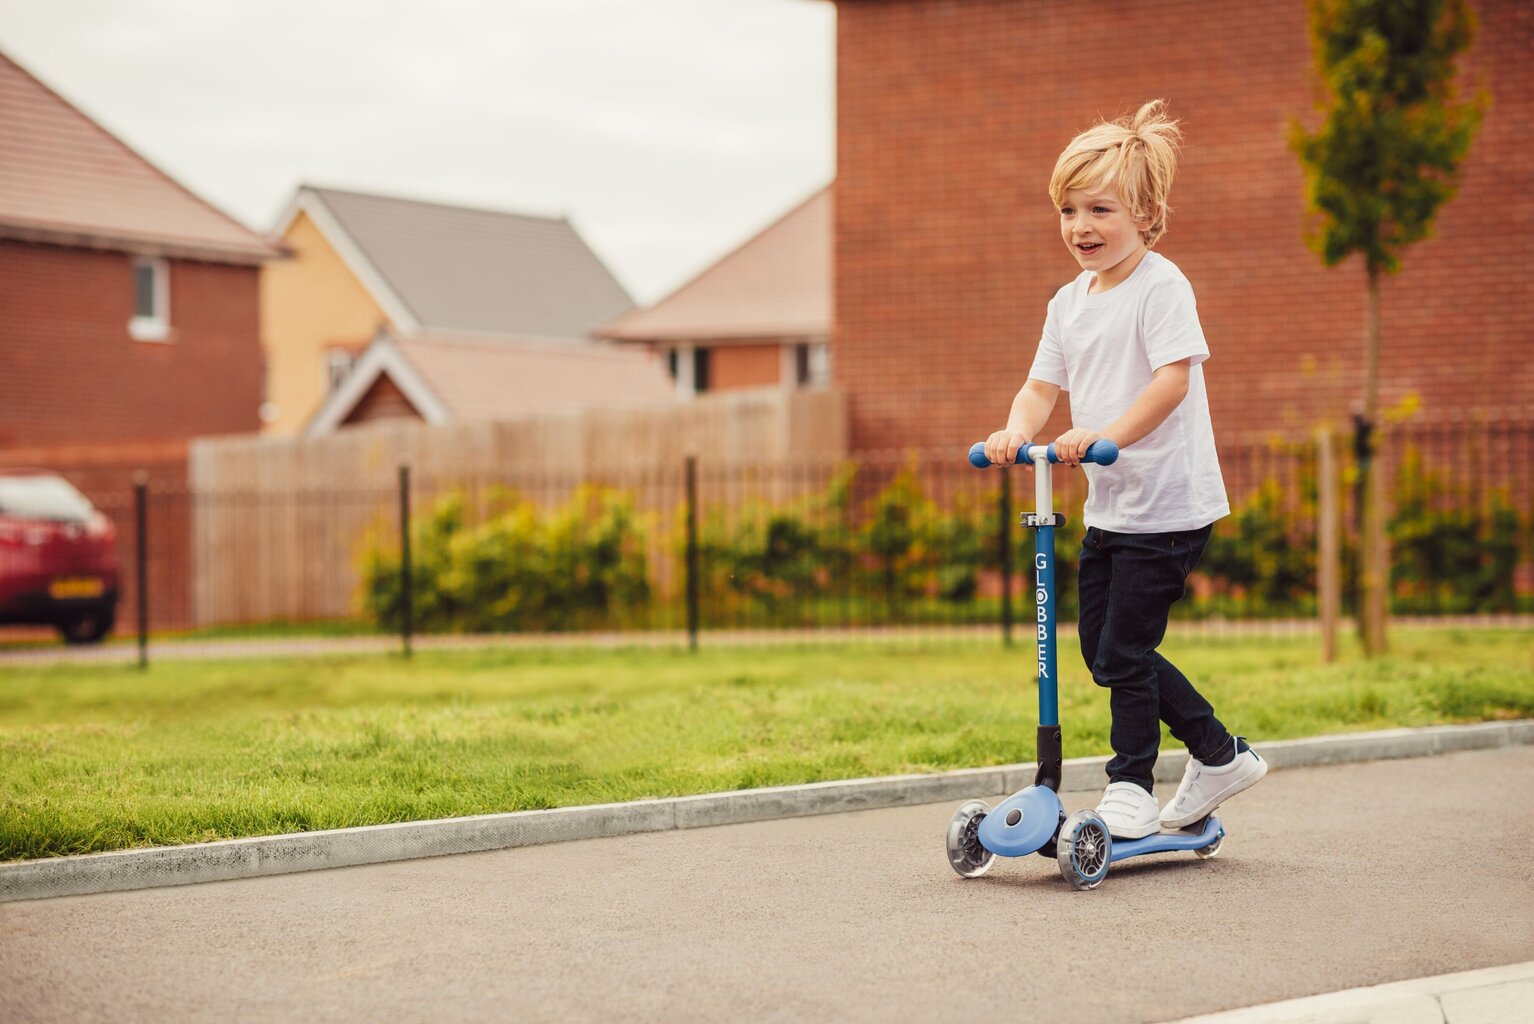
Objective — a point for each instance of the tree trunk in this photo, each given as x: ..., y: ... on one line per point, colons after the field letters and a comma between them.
x: 1328, y: 565
x: 1374, y: 555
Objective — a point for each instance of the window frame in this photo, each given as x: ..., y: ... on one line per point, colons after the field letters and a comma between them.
x: 156, y: 325
x: 812, y: 364
x: 339, y: 364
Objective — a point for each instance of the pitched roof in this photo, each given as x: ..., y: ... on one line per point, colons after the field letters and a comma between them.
x: 66, y: 180
x: 449, y: 378
x: 435, y: 267
x: 777, y: 284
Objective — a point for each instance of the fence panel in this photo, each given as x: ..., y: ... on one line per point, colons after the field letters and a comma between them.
x: 898, y: 541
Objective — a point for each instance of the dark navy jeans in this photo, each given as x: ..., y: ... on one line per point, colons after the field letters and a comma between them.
x: 1128, y: 583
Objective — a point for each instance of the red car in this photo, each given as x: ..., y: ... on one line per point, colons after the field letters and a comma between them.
x: 58, y: 557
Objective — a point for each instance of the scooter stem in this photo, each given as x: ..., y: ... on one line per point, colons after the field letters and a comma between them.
x: 1050, y: 744
x: 1043, y: 521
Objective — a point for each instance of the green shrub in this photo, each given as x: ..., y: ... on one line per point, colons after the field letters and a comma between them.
x: 897, y: 541
x: 431, y: 538
x: 1263, y: 553
x: 581, y: 565
x: 897, y: 555
x: 1449, y: 553
x: 760, y: 560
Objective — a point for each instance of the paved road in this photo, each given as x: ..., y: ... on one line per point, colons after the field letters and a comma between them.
x: 1331, y: 878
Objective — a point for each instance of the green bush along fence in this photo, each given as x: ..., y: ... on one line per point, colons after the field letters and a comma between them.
x: 922, y: 539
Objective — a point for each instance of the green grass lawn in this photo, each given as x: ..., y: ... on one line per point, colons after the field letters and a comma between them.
x: 106, y: 757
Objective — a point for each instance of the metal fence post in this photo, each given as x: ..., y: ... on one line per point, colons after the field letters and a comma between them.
x: 692, y: 553
x: 406, y: 576
x: 141, y: 527
x: 1006, y: 559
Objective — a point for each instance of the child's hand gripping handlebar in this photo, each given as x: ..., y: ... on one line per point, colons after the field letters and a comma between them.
x: 1102, y: 453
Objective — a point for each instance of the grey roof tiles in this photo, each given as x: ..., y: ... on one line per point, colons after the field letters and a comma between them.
x: 470, y: 270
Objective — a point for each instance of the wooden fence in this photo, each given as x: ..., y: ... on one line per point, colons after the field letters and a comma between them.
x: 278, y: 524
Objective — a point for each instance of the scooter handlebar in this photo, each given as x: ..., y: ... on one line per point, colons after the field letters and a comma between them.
x: 1101, y: 453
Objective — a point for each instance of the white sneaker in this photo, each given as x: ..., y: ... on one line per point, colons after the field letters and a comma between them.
x: 1128, y: 811
x: 1204, y: 788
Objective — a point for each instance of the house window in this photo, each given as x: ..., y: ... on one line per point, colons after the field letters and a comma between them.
x: 151, y: 300
x: 812, y: 364
x: 338, y: 364
x: 689, y: 367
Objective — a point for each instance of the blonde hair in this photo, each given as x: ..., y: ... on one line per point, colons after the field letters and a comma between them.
x: 1135, y: 156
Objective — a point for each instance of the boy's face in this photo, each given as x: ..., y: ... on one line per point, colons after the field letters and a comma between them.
x: 1098, y: 229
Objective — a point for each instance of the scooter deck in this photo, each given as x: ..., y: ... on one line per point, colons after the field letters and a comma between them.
x: 1165, y: 842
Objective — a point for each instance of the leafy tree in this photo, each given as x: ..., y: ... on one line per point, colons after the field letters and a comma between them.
x: 1383, y: 162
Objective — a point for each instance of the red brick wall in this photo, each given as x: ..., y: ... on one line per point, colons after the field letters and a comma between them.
x: 951, y: 115
x: 71, y: 372
x: 746, y: 366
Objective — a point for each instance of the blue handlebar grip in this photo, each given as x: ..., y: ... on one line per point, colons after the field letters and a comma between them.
x: 1101, y: 453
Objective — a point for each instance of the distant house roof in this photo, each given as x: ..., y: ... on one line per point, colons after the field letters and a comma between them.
x: 433, y: 267
x: 777, y: 284
x: 66, y: 180
x: 448, y: 378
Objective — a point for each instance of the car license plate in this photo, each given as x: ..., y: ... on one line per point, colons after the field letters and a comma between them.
x: 63, y: 589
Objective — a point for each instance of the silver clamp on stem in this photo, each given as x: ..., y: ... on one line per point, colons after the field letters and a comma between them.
x: 1035, y: 520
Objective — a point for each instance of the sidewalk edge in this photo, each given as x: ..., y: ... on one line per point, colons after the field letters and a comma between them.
x: 1487, y: 988
x: 376, y: 844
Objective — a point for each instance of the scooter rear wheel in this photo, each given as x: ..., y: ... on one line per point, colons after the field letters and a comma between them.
x: 1212, y: 850
x: 965, y: 854
x: 1086, y: 850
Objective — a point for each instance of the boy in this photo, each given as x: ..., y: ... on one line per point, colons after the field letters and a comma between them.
x: 1124, y: 339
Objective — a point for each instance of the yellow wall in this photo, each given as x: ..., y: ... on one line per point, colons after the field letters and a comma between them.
x: 308, y: 304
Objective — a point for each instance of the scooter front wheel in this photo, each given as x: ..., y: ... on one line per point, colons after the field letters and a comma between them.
x: 1085, y: 850
x: 965, y: 854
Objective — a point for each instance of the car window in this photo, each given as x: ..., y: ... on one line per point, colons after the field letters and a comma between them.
x: 43, y: 497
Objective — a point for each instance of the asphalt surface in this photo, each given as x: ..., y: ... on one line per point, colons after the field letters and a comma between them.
x: 1330, y: 878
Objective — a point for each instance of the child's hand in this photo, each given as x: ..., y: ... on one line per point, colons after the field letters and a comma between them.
x: 1073, y: 444
x: 1002, y: 447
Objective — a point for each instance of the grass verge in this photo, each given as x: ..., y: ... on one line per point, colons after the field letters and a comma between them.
x: 105, y: 757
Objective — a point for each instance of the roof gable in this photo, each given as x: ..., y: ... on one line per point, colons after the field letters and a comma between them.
x: 451, y: 378
x: 435, y: 267
x: 65, y: 179
x: 776, y: 284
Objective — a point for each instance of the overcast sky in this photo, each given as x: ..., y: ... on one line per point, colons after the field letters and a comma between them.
x: 668, y: 131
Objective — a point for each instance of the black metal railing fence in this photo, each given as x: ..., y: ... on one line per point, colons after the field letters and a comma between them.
x: 893, y: 541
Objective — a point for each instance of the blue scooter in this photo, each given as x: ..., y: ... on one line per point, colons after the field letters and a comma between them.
x: 1034, y: 820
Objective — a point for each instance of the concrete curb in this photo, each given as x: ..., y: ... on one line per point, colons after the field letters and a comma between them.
x: 1468, y: 997
x: 376, y: 844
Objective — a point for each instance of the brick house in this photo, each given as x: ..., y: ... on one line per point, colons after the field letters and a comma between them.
x: 951, y: 115
x: 130, y: 305
x: 758, y: 317
x: 128, y: 324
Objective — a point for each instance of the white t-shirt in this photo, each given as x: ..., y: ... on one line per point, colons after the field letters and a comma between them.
x: 1102, y: 349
